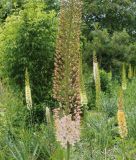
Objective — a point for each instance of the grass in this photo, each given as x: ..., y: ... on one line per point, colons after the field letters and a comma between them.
x: 100, y: 138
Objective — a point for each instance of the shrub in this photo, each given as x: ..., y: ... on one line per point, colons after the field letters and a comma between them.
x: 28, y: 40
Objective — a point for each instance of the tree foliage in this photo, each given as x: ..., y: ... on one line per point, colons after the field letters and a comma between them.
x: 28, y: 40
x: 109, y: 27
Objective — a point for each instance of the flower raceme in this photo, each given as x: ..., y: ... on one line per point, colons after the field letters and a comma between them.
x: 28, y: 91
x: 66, y: 82
x: 96, y: 75
x: 122, y: 124
x: 67, y: 129
x: 121, y: 116
x: 48, y: 115
x: 124, y: 80
x: 67, y: 72
x: 83, y: 95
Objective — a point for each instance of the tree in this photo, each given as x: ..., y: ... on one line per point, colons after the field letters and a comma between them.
x: 53, y: 4
x: 113, y: 15
x: 112, y: 50
x: 28, y: 40
x: 109, y: 28
x: 8, y: 7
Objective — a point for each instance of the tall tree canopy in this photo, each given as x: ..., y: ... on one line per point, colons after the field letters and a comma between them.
x: 110, y: 28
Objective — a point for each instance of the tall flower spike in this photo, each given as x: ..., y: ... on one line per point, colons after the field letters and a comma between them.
x: 121, y: 117
x: 84, y: 100
x: 124, y: 79
x: 48, y: 115
x: 130, y: 74
x: 97, y: 81
x: 67, y: 130
x: 66, y: 83
x: 28, y: 91
x: 95, y: 66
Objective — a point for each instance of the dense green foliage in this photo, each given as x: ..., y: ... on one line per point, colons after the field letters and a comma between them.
x: 30, y: 35
x: 28, y: 31
x: 9, y: 7
x: 109, y: 27
x: 99, y: 139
